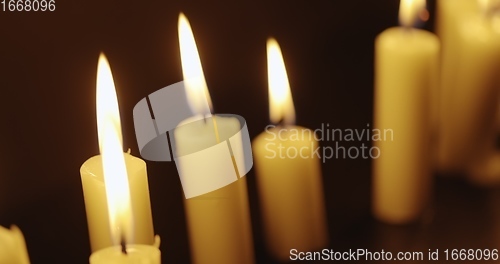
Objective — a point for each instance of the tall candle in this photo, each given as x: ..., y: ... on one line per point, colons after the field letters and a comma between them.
x: 12, y: 246
x: 290, y: 188
x: 449, y: 13
x: 406, y: 68
x: 470, y: 88
x: 100, y: 216
x: 218, y: 222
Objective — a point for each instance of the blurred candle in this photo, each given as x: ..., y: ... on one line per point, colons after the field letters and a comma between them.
x: 290, y: 188
x: 12, y: 246
x: 470, y: 30
x: 218, y: 222
x: 406, y: 69
x: 115, y: 185
x: 449, y: 14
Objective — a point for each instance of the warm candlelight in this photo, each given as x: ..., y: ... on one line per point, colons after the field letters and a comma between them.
x: 113, y: 163
x: 470, y: 33
x: 290, y: 188
x: 406, y: 61
x: 115, y: 183
x: 136, y: 254
x: 12, y: 246
x: 219, y: 221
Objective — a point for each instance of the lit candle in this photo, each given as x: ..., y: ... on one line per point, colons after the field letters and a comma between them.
x: 136, y: 254
x: 470, y: 31
x: 406, y: 61
x: 115, y: 184
x: 290, y: 188
x: 12, y: 246
x: 219, y: 221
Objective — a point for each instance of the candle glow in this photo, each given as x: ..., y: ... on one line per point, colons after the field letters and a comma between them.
x: 410, y: 11
x: 489, y: 6
x: 192, y: 71
x: 281, y: 108
x: 111, y: 149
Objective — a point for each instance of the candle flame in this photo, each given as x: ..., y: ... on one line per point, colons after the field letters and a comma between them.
x: 281, y: 108
x: 111, y: 149
x: 410, y: 11
x: 196, y: 86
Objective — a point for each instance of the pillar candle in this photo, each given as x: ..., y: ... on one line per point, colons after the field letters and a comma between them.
x: 97, y: 210
x: 289, y: 187
x: 136, y: 254
x: 12, y: 246
x: 290, y: 192
x: 129, y: 199
x: 218, y: 222
x: 470, y: 89
x: 406, y: 68
x: 449, y: 13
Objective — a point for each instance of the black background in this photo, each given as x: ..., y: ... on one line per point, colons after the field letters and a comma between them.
x: 48, y: 64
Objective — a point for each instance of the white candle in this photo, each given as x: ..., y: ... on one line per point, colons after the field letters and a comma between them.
x: 449, y: 13
x: 290, y: 188
x: 219, y: 221
x: 470, y: 89
x: 406, y: 61
x: 97, y: 209
x: 12, y: 246
x: 114, y: 183
x: 136, y: 254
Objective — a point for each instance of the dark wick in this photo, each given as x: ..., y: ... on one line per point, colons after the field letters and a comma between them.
x: 281, y: 122
x: 124, y: 246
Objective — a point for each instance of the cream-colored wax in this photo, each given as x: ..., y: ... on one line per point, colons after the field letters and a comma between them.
x: 449, y: 15
x: 471, y: 97
x: 406, y: 69
x: 97, y: 210
x: 218, y: 222
x: 136, y: 254
x: 290, y: 191
x: 469, y: 88
x: 12, y: 246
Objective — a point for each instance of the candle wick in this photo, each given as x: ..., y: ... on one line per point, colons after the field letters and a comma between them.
x: 407, y: 29
x: 124, y: 246
x: 281, y: 122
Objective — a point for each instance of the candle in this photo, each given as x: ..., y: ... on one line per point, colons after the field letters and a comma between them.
x: 470, y: 89
x: 290, y: 188
x: 406, y: 61
x: 12, y: 246
x: 218, y: 222
x: 136, y: 254
x: 449, y: 13
x: 115, y: 184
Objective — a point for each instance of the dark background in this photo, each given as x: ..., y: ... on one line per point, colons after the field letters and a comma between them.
x: 48, y: 64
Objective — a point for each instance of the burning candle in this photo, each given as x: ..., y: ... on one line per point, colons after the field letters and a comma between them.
x: 12, y: 246
x: 219, y: 221
x: 470, y: 31
x: 115, y: 187
x: 406, y: 61
x: 135, y: 254
x: 290, y: 188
